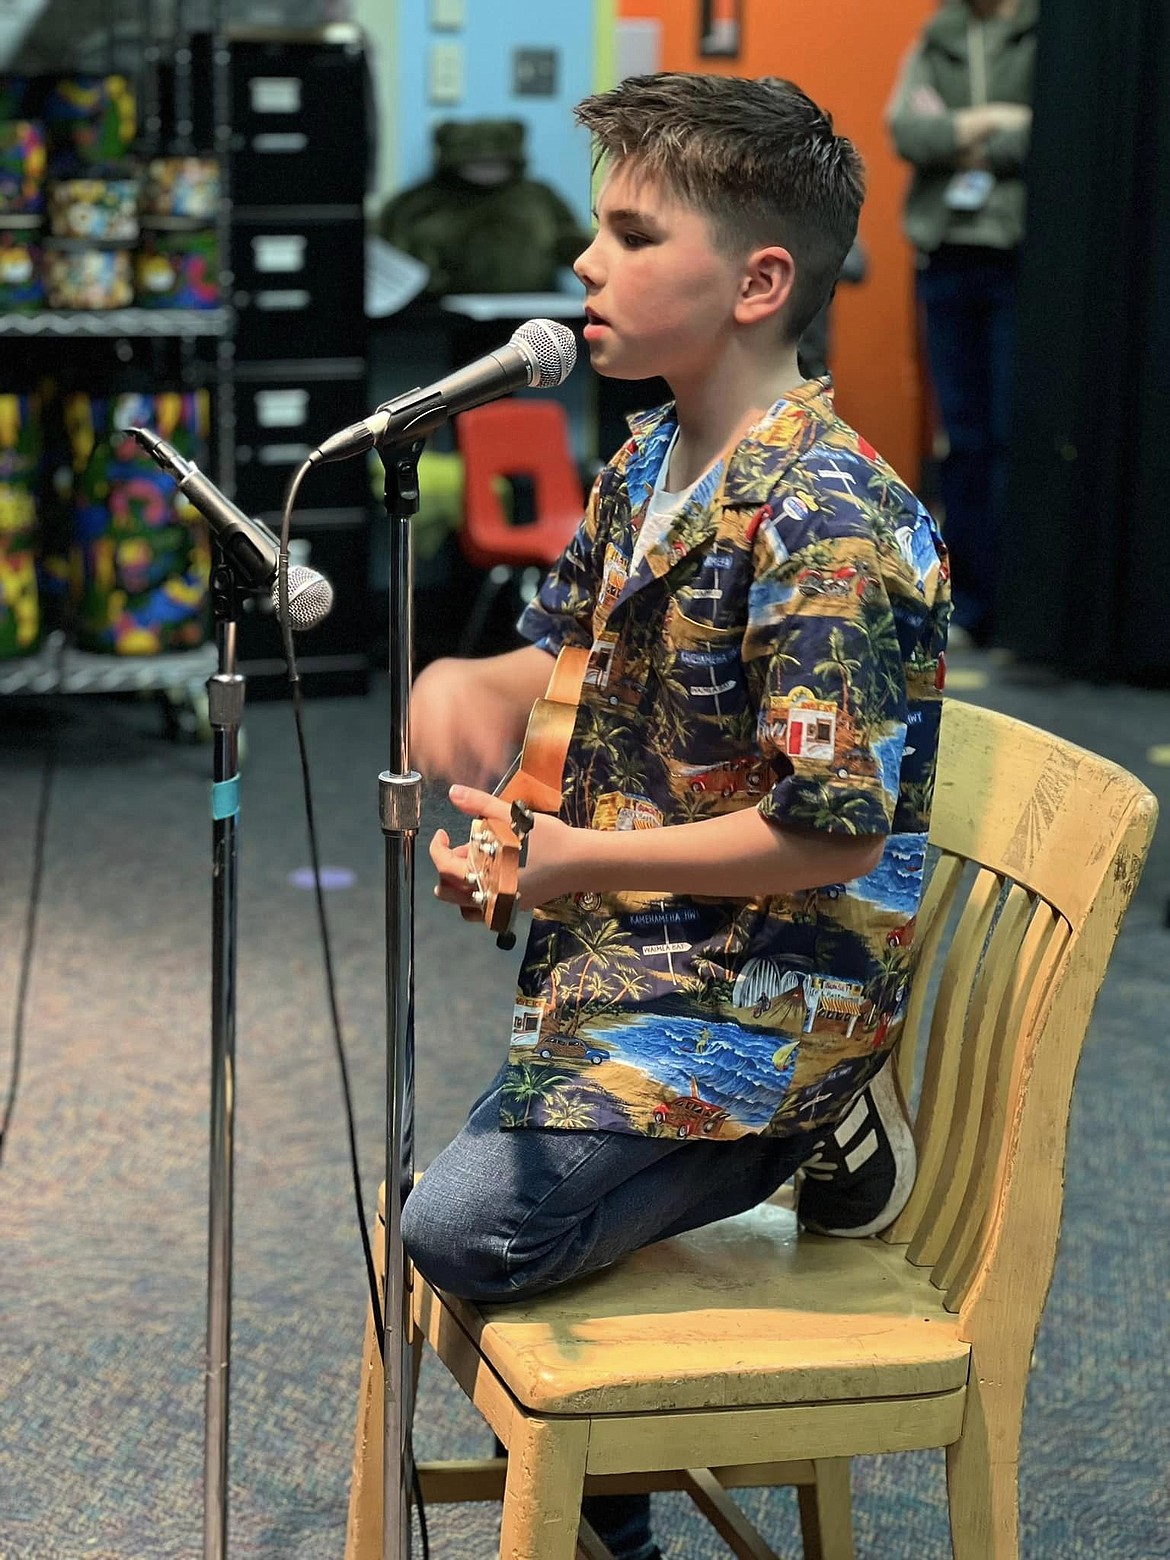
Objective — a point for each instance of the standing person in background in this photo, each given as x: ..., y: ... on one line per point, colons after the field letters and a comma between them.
x: 961, y: 115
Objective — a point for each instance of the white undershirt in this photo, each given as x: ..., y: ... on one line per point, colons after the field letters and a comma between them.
x: 661, y: 509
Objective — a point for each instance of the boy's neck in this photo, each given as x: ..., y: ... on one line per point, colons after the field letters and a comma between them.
x: 719, y: 408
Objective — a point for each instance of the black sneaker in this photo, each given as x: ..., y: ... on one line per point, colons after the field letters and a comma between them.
x: 860, y: 1177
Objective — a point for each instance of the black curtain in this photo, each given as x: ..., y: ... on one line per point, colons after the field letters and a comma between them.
x: 1086, y: 555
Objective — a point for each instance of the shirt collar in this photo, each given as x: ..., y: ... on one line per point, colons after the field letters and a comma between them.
x: 787, y: 429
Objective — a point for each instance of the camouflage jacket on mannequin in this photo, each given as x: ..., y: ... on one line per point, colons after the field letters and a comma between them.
x: 478, y: 223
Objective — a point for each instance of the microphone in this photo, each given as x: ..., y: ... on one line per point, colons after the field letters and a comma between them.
x: 248, y: 544
x: 540, y: 354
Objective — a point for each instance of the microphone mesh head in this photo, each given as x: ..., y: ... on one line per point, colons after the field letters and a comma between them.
x: 553, y: 348
x: 310, y: 597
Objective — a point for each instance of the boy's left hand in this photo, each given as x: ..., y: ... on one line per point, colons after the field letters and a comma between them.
x: 547, y: 874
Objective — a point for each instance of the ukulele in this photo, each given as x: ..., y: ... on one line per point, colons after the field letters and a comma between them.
x: 496, y: 851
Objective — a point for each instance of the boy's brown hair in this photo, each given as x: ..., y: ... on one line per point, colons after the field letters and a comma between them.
x: 758, y: 158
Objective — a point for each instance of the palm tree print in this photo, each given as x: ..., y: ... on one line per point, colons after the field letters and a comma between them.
x: 838, y: 664
x: 569, y: 1113
x: 802, y: 492
x: 529, y: 1085
x: 597, y: 939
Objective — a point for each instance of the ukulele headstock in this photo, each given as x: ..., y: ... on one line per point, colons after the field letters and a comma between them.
x: 495, y: 853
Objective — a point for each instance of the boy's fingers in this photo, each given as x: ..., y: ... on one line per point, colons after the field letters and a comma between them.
x: 478, y: 804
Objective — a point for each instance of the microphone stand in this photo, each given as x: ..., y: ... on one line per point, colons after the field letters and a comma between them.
x: 225, y: 694
x: 400, y: 812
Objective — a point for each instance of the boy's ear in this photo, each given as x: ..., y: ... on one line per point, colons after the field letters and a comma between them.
x: 766, y: 286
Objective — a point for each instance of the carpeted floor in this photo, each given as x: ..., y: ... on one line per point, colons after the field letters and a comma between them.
x: 103, y: 1185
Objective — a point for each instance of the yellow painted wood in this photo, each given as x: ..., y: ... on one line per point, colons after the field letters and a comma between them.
x: 1042, y: 949
x: 744, y: 1311
x: 363, y: 1531
x: 740, y: 1535
x: 542, y: 1494
x: 746, y: 1353
x: 937, y: 1102
x: 950, y: 1191
x: 482, y: 1478
x: 648, y: 1442
x: 826, y: 1512
x: 1029, y: 805
x: 932, y: 919
x: 589, y: 1546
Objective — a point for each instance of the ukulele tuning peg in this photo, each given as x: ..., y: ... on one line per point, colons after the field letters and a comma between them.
x: 478, y: 898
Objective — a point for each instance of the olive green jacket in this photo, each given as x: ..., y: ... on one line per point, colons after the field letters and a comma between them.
x: 967, y: 62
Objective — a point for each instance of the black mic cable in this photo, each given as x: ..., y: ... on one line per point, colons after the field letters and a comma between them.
x: 40, y: 834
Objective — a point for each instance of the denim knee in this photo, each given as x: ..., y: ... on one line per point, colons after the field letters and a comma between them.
x: 460, y: 1258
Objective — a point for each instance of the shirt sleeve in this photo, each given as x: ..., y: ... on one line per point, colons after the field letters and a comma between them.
x: 561, y: 613
x: 927, y: 140
x: 822, y: 650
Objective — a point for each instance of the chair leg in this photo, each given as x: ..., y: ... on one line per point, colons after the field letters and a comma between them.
x: 363, y: 1531
x: 983, y: 1472
x: 542, y: 1495
x: 826, y: 1511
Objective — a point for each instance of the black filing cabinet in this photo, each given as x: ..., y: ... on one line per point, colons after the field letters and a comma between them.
x: 301, y: 126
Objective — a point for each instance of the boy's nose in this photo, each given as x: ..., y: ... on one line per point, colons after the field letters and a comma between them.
x: 585, y: 266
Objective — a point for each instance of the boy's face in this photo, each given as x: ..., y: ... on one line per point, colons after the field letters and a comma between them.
x: 659, y: 296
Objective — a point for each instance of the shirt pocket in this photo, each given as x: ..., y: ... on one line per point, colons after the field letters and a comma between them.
x: 704, y: 715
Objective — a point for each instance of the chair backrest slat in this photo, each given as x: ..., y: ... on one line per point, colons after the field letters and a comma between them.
x: 940, y: 1074
x: 1056, y: 838
x: 948, y: 1194
x: 933, y: 914
x: 1032, y: 974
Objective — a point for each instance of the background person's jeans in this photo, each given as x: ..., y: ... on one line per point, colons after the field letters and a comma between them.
x: 968, y: 294
x: 501, y: 1215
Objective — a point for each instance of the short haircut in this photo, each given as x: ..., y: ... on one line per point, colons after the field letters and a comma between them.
x: 757, y: 157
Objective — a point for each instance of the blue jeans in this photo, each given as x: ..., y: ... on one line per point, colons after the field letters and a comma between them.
x: 969, y: 297
x: 502, y: 1215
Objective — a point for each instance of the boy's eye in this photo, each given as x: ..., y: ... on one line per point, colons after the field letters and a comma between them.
x: 634, y: 240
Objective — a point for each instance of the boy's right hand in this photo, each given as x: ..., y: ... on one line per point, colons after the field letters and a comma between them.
x: 458, y: 730
x: 467, y: 717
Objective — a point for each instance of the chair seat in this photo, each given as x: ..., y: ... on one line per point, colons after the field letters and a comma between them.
x: 744, y: 1311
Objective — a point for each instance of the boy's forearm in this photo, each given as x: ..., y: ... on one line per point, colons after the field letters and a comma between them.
x: 467, y: 718
x: 521, y: 676
x: 740, y: 855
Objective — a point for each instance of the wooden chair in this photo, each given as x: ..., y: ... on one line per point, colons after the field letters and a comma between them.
x: 748, y: 1353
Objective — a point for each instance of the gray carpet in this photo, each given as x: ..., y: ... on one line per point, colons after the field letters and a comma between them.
x: 103, y: 1187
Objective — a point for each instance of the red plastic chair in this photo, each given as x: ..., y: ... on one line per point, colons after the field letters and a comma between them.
x: 528, y: 438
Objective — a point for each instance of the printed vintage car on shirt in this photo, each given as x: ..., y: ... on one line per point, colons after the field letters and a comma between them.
x: 566, y: 1049
x: 689, y: 1116
x: 746, y: 776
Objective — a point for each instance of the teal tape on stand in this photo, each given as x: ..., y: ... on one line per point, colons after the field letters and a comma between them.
x: 225, y: 797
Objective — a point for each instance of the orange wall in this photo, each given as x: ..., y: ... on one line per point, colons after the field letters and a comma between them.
x: 845, y: 54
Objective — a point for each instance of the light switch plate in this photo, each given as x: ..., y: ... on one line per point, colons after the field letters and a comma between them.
x: 446, y: 73
x: 534, y: 72
x: 447, y: 15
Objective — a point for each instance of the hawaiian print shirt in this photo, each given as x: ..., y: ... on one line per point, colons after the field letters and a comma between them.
x: 781, y: 647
